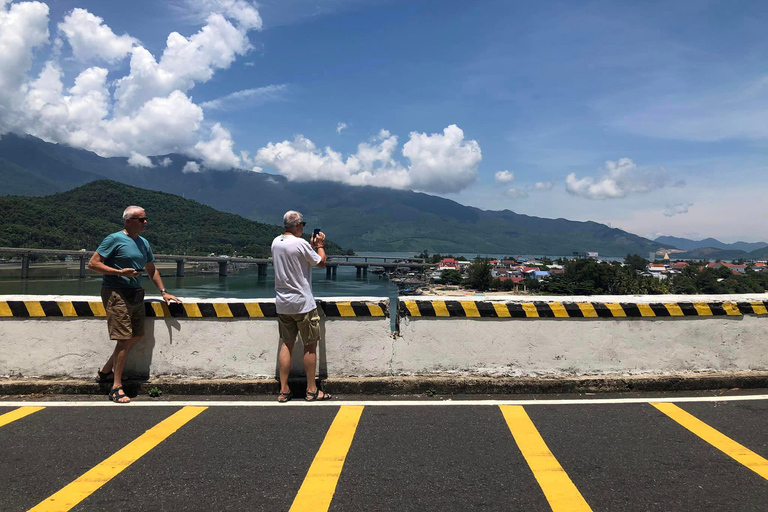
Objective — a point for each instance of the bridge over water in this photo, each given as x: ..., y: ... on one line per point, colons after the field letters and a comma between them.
x: 361, y: 263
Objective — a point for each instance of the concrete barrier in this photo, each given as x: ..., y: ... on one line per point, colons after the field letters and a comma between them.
x: 596, y: 335
x: 63, y: 336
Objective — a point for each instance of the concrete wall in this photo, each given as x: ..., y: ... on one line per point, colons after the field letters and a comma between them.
x: 50, y: 337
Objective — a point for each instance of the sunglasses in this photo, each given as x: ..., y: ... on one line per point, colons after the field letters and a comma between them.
x: 303, y: 224
x: 140, y: 219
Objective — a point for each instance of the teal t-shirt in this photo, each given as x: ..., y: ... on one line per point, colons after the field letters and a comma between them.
x: 121, y: 251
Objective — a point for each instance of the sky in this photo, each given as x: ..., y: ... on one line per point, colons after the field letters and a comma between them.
x: 646, y: 116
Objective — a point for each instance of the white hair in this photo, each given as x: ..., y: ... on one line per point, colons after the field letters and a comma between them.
x: 292, y: 219
x: 130, y: 211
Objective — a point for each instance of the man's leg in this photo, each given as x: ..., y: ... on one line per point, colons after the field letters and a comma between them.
x: 119, y: 358
x: 284, y: 360
x: 310, y: 363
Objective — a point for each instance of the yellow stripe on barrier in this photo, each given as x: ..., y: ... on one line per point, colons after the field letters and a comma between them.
x: 345, y: 309
x: 439, y: 307
x: 502, y: 311
x: 530, y: 309
x: 731, y: 309
x: 157, y: 307
x: 759, y: 308
x: 725, y: 444
x: 561, y: 493
x: 34, y: 308
x: 254, y: 310
x: 97, y: 308
x: 413, y: 309
x: 674, y: 309
x: 4, y: 309
x: 616, y: 309
x: 587, y: 309
x: 192, y: 309
x: 67, y: 309
x: 470, y: 308
x: 375, y: 310
x: 17, y: 414
x: 558, y: 309
x: 702, y: 308
x: 645, y: 310
x: 92, y: 480
x: 316, y: 492
x: 222, y: 310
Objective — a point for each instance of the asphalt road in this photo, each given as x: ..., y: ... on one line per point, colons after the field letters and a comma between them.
x: 604, y: 455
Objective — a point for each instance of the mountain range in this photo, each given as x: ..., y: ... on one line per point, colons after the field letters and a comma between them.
x: 361, y: 218
x: 686, y: 244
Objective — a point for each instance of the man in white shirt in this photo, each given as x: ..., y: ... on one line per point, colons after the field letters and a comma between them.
x: 293, y: 259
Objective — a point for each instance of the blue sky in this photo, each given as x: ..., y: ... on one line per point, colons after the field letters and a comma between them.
x: 648, y: 116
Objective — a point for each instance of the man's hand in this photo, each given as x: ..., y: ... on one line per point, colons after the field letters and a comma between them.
x: 168, y: 298
x: 129, y: 272
x: 318, y: 240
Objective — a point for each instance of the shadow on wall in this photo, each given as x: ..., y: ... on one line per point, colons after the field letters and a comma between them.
x: 140, y: 358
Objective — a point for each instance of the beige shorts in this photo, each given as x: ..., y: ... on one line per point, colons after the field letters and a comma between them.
x: 125, y: 312
x: 308, y: 324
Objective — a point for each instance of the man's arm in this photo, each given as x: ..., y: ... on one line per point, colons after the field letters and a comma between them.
x: 154, y: 275
x: 96, y: 263
x: 318, y: 243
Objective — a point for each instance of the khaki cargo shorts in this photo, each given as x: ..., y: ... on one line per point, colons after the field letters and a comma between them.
x: 308, y: 324
x: 125, y: 312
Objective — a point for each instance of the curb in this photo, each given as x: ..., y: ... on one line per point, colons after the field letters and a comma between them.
x: 426, y: 384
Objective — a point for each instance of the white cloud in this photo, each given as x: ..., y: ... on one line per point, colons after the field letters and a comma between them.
x: 515, y: 193
x: 504, y: 176
x: 543, y: 185
x: 139, y: 160
x: 191, y: 167
x: 438, y: 162
x: 677, y: 209
x: 217, y: 153
x: 90, y: 38
x: 340, y: 127
x: 165, y: 162
x: 246, y: 97
x: 244, y: 13
x: 619, y: 179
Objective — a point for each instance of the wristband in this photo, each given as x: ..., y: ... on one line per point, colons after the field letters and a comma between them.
x: 163, y: 291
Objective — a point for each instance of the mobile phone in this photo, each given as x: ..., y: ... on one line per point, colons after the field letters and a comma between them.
x: 315, y: 232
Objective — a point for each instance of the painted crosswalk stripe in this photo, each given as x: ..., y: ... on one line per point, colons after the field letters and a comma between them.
x: 319, y: 485
x: 725, y: 444
x: 17, y: 414
x: 558, y: 488
x: 96, y: 477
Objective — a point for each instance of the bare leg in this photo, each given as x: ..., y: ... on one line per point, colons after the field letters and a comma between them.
x: 118, y: 360
x: 310, y: 362
x: 110, y: 364
x: 284, y: 360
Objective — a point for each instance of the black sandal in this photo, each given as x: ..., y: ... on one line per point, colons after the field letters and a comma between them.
x: 284, y: 397
x: 104, y: 377
x: 115, y: 396
x: 312, y: 397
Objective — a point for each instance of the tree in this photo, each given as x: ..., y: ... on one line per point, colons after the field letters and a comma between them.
x: 479, y: 275
x: 449, y: 276
x: 635, y: 262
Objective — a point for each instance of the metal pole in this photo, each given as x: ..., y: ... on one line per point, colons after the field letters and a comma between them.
x: 82, y: 267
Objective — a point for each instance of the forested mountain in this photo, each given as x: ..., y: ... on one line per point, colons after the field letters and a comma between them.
x: 82, y: 217
x: 362, y: 218
x: 691, y: 245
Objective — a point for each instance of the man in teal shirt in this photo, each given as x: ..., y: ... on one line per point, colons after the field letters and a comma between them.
x: 122, y: 257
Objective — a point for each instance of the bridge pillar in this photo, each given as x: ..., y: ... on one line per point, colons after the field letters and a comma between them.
x: 262, y: 269
x: 82, y: 267
x: 179, y: 268
x: 222, y: 268
x: 24, y: 266
x: 335, y: 267
x: 361, y: 270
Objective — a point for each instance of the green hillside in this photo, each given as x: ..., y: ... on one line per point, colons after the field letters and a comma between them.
x: 80, y: 218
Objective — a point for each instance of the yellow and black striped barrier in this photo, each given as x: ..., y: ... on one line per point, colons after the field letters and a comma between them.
x: 158, y: 309
x: 540, y: 309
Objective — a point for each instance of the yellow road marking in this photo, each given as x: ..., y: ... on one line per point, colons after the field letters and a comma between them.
x: 254, y: 310
x: 34, y: 308
x: 193, y: 310
x: 674, y: 309
x: 558, y: 309
x: 319, y: 485
x: 587, y: 309
x: 413, y: 309
x: 725, y: 444
x: 159, y: 310
x: 558, y: 488
x: 702, y: 308
x: 345, y: 309
x: 502, y: 311
x: 5, y: 310
x: 440, y: 309
x: 530, y: 310
x: 645, y: 310
x: 470, y: 308
x: 93, y: 479
x: 222, y: 310
x: 67, y: 309
x: 616, y: 309
x: 731, y: 309
x: 375, y: 310
x: 17, y: 414
x: 97, y: 308
x: 758, y: 308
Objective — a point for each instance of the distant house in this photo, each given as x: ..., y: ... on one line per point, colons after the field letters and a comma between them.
x: 539, y: 275
x: 736, y: 269
x: 448, y: 264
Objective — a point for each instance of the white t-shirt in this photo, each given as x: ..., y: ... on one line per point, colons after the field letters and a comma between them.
x: 293, y: 259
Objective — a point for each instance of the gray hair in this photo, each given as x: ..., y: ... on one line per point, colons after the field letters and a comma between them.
x: 292, y: 219
x: 130, y: 211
